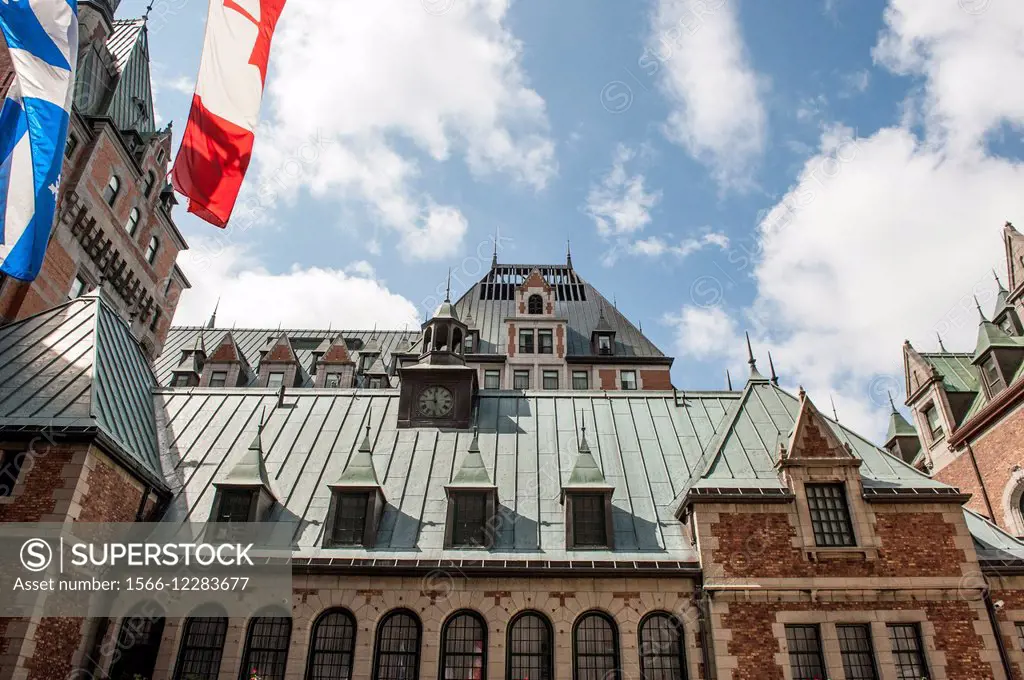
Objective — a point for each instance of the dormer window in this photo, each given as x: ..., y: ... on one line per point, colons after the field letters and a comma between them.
x: 235, y: 505
x: 366, y: 361
x: 604, y: 344
x: 470, y: 342
x: 350, y: 515
x: 990, y: 371
x: 535, y: 304
x: 830, y: 515
x: 332, y: 380
x: 357, y: 502
x: 470, y: 512
x: 218, y: 378
x: 275, y: 379
x: 931, y: 416
x: 588, y: 521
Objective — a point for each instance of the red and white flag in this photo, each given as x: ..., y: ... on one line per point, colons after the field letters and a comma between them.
x: 218, y: 139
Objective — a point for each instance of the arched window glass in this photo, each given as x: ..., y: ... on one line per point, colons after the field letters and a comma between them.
x: 150, y: 183
x: 397, y: 652
x: 112, y: 190
x: 529, y: 648
x: 133, y: 221
x: 151, y: 249
x: 595, y: 648
x: 202, y: 645
x: 138, y: 642
x: 661, y: 648
x: 464, y: 647
x: 332, y: 644
x: 266, y: 648
x: 535, y: 305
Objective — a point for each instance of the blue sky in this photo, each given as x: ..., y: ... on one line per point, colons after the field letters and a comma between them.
x: 830, y: 175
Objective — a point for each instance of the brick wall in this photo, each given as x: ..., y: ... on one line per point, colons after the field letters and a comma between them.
x: 656, y: 379
x: 960, y: 473
x: 609, y: 378
x: 998, y: 451
x: 1010, y: 591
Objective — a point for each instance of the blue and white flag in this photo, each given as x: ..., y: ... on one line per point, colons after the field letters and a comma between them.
x: 42, y: 36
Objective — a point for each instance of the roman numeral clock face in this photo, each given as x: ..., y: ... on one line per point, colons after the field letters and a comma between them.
x: 435, y: 402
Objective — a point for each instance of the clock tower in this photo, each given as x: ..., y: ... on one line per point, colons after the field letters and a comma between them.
x: 438, y: 390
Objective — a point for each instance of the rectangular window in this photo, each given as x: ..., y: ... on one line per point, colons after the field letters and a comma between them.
x: 628, y: 379
x: 10, y: 470
x: 180, y: 380
x: 550, y: 380
x: 469, y: 344
x: 469, y: 519
x: 332, y: 380
x: 366, y: 361
x: 545, y: 342
x: 992, y: 378
x: 376, y: 383
x: 1020, y: 636
x: 907, y: 651
x: 580, y: 380
x: 830, y: 515
x: 218, y: 378
x: 275, y: 379
x: 71, y: 146
x: 492, y: 380
x: 604, y: 344
x: 858, y: 654
x: 77, y: 288
x: 349, y: 518
x: 234, y: 505
x: 931, y: 416
x: 588, y: 521
x: 521, y: 380
x: 526, y: 342
x: 805, y: 658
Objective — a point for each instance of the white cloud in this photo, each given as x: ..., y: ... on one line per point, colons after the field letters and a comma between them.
x: 620, y: 205
x: 312, y: 297
x: 656, y: 246
x: 717, y: 113
x: 703, y: 332
x: 855, y: 83
x: 389, y: 87
x: 182, y: 84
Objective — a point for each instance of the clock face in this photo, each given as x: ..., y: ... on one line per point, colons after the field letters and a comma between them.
x: 435, y: 402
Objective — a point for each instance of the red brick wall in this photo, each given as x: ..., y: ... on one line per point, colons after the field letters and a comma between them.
x: 997, y: 452
x: 511, y: 339
x: 609, y: 378
x: 960, y: 473
x: 1012, y: 600
x: 111, y: 496
x: 42, y: 475
x: 760, y: 545
x: 755, y: 646
x: 656, y: 380
x: 57, y: 640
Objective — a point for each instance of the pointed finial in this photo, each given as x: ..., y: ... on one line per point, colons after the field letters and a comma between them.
x: 584, y: 446
x: 980, y: 313
x: 494, y: 257
x: 448, y: 289
x: 212, y: 323
x: 728, y: 380
x: 568, y: 254
x: 835, y: 414
x: 641, y: 326
x: 149, y: 8
x: 771, y: 365
x: 802, y: 394
x: 891, y: 402
x: 615, y: 300
x: 750, y: 356
x: 998, y: 282
x: 941, y: 346
x: 1009, y: 225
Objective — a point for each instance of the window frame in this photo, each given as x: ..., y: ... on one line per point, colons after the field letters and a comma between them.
x: 852, y: 658
x: 530, y: 306
x: 71, y: 147
x: 152, y: 249
x: 586, y: 380
x: 149, y: 184
x: 825, y: 526
x: 991, y: 374
x: 549, y: 335
x: 936, y: 432
x: 458, y: 532
x: 679, y: 653
x: 377, y: 639
x: 546, y: 656
x: 112, y: 190
x: 222, y: 376
x: 338, y: 502
x: 545, y: 375
x: 134, y: 652
x: 798, y: 669
x: 443, y: 659
x: 132, y: 225
x: 1019, y: 626
x: 573, y: 502
x: 311, y: 656
x: 527, y: 341
x: 273, y: 377
x: 184, y: 648
x: 516, y: 374
x: 335, y: 375
x: 246, y: 667
x: 11, y: 459
x: 492, y: 373
x: 224, y: 495
x: 179, y: 380
x: 602, y: 339
x: 622, y: 380
x: 615, y: 673
x: 922, y: 660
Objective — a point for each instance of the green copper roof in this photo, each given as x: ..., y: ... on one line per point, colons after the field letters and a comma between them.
x: 471, y: 472
x: 957, y: 370
x: 249, y: 470
x: 359, y: 471
x: 585, y: 472
x: 991, y: 336
x: 898, y: 425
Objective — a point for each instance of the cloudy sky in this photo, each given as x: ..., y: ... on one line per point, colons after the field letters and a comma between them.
x: 830, y: 175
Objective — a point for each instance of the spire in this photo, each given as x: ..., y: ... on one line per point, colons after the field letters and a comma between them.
x: 212, y: 323
x: 149, y: 8
x: 898, y: 425
x: 835, y: 414
x: 999, y: 283
x: 250, y: 470
x: 771, y: 366
x: 568, y: 254
x: 448, y: 289
x: 754, y: 374
x: 728, y: 380
x: 585, y: 472
x: 891, y: 402
x: 941, y: 346
x: 494, y: 256
x: 980, y: 313
x: 472, y: 472
x: 359, y: 470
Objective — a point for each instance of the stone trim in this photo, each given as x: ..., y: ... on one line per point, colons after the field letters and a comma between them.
x: 1013, y: 495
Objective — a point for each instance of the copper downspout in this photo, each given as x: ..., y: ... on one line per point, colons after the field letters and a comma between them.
x: 984, y: 490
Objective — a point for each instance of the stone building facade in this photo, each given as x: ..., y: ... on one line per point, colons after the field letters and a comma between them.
x: 569, y: 529
x: 113, y: 227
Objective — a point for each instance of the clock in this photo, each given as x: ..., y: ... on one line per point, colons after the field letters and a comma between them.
x: 435, y: 401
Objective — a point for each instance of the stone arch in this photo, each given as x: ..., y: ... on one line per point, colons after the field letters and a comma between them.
x: 1013, y: 502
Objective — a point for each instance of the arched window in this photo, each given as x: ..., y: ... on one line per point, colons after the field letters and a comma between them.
x: 266, y: 648
x: 396, y: 654
x: 147, y: 189
x: 661, y: 648
x: 133, y: 222
x: 529, y: 648
x: 112, y: 190
x: 535, y: 305
x: 464, y: 647
x: 595, y: 648
x: 202, y: 645
x: 138, y: 642
x: 331, y: 646
x: 151, y: 249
